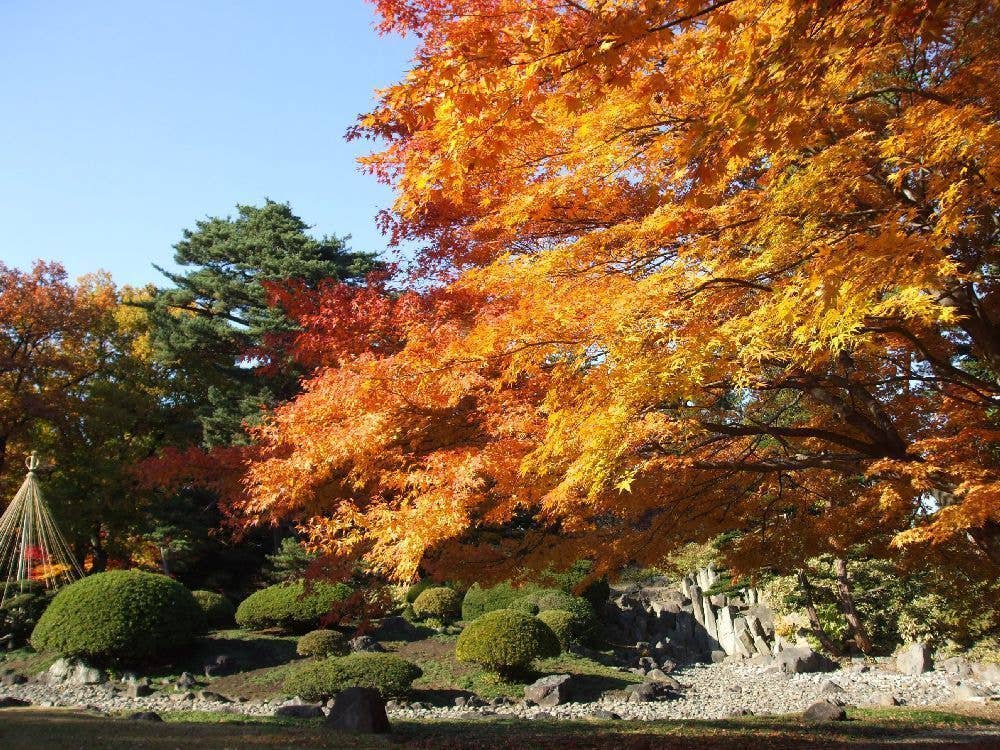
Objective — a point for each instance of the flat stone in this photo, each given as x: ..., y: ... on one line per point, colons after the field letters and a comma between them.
x: 829, y: 687
x: 208, y: 695
x: 8, y: 702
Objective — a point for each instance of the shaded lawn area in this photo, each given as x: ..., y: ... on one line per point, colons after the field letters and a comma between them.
x: 21, y: 729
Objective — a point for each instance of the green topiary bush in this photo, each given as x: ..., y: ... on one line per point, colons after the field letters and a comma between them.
x: 562, y: 624
x: 417, y: 589
x: 585, y: 625
x: 286, y: 607
x: 526, y: 604
x: 391, y: 675
x: 120, y: 616
x: 440, y: 602
x: 506, y: 642
x: 478, y: 601
x: 323, y: 643
x: 219, y: 611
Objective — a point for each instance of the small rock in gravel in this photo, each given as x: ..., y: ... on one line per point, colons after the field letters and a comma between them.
x: 886, y: 700
x: 186, y: 680
x: 965, y: 692
x: 211, y: 697
x: 829, y: 687
x: 662, y: 678
x: 549, y: 691
x: 914, y: 659
x: 824, y: 711
x: 186, y: 696
x: 138, y: 690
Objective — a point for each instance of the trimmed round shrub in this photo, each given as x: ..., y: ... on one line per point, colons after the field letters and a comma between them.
x: 439, y: 602
x: 417, y: 589
x: 322, y: 643
x: 526, y: 604
x: 584, y: 619
x: 562, y: 624
x: 506, y: 642
x: 478, y: 601
x: 120, y: 616
x: 390, y: 674
x: 219, y: 611
x: 286, y: 606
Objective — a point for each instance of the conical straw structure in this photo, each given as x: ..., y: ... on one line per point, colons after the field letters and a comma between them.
x: 32, y: 549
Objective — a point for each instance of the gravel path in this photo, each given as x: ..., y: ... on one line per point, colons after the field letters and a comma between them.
x: 710, y: 692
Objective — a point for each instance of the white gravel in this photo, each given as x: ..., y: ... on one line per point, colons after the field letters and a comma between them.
x: 710, y: 692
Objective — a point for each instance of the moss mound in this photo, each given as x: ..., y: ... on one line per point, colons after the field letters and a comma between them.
x: 506, y: 642
x: 286, y: 606
x: 219, y: 611
x: 120, y: 616
x: 391, y: 675
x: 322, y: 643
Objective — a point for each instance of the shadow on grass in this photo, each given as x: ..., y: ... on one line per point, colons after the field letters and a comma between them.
x: 21, y: 729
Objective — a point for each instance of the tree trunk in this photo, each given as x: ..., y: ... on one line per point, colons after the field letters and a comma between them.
x: 858, y: 630
x: 165, y: 560
x: 817, y: 626
x: 99, y: 563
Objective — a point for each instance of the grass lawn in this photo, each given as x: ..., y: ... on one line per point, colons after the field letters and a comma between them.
x: 21, y: 729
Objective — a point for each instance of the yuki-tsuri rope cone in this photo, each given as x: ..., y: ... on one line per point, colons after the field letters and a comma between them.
x: 33, y: 552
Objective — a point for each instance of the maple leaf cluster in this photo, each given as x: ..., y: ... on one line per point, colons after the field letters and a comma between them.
x: 695, y: 267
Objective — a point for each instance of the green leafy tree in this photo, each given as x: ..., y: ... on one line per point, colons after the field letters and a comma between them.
x: 288, y: 563
x: 215, y: 325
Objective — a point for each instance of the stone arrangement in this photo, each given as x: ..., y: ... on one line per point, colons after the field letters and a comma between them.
x: 686, y: 625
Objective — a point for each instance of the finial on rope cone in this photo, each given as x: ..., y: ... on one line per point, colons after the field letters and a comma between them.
x: 33, y: 462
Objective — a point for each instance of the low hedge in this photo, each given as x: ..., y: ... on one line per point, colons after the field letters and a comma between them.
x: 124, y: 616
x: 391, y: 675
x: 322, y: 643
x: 440, y: 602
x: 286, y: 606
x: 219, y: 611
x: 506, y: 642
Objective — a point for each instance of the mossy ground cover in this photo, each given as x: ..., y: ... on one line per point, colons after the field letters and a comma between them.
x: 21, y: 729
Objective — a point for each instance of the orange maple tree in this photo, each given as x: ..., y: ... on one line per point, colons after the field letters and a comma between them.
x: 54, y: 335
x: 701, y: 266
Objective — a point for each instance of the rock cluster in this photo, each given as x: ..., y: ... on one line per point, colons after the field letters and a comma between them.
x: 685, y: 624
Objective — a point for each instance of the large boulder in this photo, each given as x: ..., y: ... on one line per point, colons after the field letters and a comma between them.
x: 914, y: 659
x: 365, y: 644
x: 800, y: 659
x: 73, y: 672
x: 358, y: 710
x: 549, y: 691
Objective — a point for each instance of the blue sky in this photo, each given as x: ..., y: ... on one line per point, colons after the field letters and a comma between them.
x: 122, y: 123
